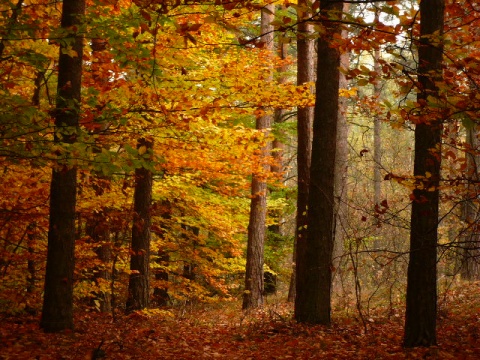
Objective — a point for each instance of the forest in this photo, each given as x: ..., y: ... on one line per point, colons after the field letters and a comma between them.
x: 239, y: 179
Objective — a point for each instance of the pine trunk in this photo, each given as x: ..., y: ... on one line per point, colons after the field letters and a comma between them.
x: 421, y: 311
x: 314, y: 265
x: 305, y: 74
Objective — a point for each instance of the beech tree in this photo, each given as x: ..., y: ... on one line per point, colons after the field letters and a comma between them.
x: 314, y: 251
x: 57, y: 312
x: 421, y: 311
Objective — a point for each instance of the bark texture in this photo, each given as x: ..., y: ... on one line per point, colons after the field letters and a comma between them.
x: 421, y: 311
x: 138, y: 285
x: 57, y: 311
x: 341, y: 163
x: 470, y: 261
x: 314, y: 264
x: 377, y: 140
x: 253, y: 295
x: 305, y: 74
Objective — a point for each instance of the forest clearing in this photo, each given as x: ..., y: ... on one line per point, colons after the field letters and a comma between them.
x: 220, y: 331
x: 239, y: 179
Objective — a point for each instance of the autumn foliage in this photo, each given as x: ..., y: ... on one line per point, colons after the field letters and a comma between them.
x: 194, y: 76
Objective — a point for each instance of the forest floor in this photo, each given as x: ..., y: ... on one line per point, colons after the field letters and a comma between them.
x: 222, y: 331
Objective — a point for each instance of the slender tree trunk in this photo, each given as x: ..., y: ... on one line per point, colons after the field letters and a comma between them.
x: 138, y: 285
x: 160, y: 292
x: 31, y: 266
x: 314, y: 271
x: 341, y: 163
x: 377, y: 140
x: 470, y: 262
x: 421, y: 311
x: 275, y: 233
x: 253, y: 295
x: 305, y: 74
x: 57, y: 312
x: 98, y: 229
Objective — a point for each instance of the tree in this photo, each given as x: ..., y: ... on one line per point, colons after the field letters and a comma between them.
x: 57, y: 312
x: 253, y: 295
x: 305, y: 74
x: 138, y: 285
x: 421, y: 311
x: 377, y: 140
x: 470, y: 267
x: 314, y: 259
x: 341, y: 161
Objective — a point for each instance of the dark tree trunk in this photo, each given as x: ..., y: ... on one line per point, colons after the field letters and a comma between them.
x: 160, y: 293
x: 138, y: 285
x: 98, y: 229
x: 305, y: 74
x: 314, y: 252
x: 31, y: 264
x: 253, y: 295
x: 189, y: 265
x: 57, y: 313
x: 420, y: 317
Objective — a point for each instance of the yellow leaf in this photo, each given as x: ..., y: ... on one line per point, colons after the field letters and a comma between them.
x: 142, y: 150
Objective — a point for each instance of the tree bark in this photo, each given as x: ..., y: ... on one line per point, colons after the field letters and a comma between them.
x: 57, y: 312
x: 138, y: 285
x: 305, y: 74
x: 377, y: 140
x: 470, y: 261
x: 341, y: 163
x: 160, y: 292
x: 421, y: 311
x: 98, y: 229
x: 253, y: 295
x: 314, y: 264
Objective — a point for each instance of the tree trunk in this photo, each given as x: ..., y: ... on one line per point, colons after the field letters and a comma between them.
x: 420, y: 317
x: 138, y: 285
x: 31, y: 269
x: 470, y: 262
x: 57, y: 312
x: 253, y: 295
x: 305, y: 74
x: 160, y: 292
x: 314, y: 269
x: 377, y: 140
x: 98, y: 230
x: 341, y: 163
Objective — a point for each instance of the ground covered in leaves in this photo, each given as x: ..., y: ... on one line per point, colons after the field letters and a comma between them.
x: 223, y: 332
